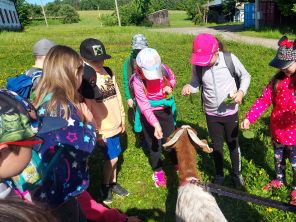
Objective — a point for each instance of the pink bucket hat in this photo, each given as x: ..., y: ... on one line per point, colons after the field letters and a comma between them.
x: 203, y: 49
x: 149, y: 61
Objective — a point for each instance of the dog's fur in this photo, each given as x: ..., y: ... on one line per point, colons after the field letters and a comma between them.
x: 194, y: 204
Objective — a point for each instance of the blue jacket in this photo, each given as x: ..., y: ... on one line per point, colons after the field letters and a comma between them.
x: 68, y: 176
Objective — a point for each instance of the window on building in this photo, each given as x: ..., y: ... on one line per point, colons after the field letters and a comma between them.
x: 15, y: 17
x: 7, y: 18
x: 11, y: 18
x: 2, y: 17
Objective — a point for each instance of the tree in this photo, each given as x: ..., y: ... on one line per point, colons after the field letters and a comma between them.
x: 69, y: 14
x: 286, y: 7
x: 53, y: 8
x: 23, y: 10
x: 88, y: 5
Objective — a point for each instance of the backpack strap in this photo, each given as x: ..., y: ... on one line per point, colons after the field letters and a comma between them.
x: 109, y: 71
x: 231, y: 68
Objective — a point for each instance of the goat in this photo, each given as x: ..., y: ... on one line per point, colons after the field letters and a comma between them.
x: 194, y: 204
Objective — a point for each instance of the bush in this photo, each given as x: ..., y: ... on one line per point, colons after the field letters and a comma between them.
x: 109, y: 20
x: 69, y: 14
x: 23, y: 10
x: 131, y: 14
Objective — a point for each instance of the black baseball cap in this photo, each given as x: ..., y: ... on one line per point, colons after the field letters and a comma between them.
x: 89, y: 88
x: 93, y: 50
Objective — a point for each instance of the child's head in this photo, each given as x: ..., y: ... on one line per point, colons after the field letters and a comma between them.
x: 285, y: 59
x: 204, y: 50
x: 17, y: 131
x: 41, y: 48
x: 149, y: 64
x: 93, y: 52
x: 62, y: 76
x: 139, y: 42
x: 17, y: 209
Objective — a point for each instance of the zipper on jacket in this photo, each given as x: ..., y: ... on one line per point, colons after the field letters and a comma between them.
x: 215, y: 88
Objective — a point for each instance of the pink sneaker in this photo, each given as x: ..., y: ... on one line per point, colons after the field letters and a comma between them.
x: 293, y: 197
x: 159, y: 178
x: 273, y: 184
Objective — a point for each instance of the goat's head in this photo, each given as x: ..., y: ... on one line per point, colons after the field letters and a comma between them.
x: 191, y: 134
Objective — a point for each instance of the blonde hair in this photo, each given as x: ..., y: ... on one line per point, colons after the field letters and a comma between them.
x: 60, y: 77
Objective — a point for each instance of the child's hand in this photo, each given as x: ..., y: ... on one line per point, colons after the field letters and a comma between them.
x: 245, y: 124
x: 238, y: 96
x: 130, y: 103
x: 86, y: 113
x: 167, y: 90
x: 186, y: 90
x: 158, y: 131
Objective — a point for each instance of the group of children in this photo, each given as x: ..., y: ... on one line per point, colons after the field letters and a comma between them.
x: 83, y: 100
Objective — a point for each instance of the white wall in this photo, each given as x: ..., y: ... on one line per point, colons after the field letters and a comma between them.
x: 8, y: 16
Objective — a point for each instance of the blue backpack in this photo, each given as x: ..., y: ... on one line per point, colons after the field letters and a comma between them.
x: 23, y: 83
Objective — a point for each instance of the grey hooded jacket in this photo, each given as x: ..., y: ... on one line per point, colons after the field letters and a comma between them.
x: 217, y: 83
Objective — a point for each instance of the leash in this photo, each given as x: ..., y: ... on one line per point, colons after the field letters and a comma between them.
x: 236, y: 194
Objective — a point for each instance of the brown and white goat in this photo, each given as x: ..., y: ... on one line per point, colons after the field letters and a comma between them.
x: 194, y: 204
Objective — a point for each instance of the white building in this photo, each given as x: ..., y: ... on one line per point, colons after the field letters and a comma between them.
x: 8, y: 16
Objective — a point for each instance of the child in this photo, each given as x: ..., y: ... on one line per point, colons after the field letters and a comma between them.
x: 108, y: 115
x: 217, y: 83
x: 17, y: 118
x: 57, y: 96
x: 40, y: 50
x: 280, y: 92
x: 139, y: 42
x: 151, y: 86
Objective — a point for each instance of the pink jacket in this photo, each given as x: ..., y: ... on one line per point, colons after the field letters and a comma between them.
x: 97, y: 212
x: 283, y: 116
x: 154, y: 92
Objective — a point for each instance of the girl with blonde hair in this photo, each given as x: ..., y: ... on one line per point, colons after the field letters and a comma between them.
x: 57, y: 96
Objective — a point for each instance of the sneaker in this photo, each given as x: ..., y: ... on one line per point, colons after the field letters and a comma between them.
x: 119, y: 190
x: 106, y: 192
x: 293, y: 197
x: 219, y: 180
x: 276, y: 183
x: 238, y: 181
x: 159, y: 178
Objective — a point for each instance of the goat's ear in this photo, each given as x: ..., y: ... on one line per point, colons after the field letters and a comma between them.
x: 173, y: 139
x: 200, y: 143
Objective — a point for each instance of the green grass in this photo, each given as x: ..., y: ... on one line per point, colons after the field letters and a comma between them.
x: 145, y: 200
x: 268, y: 33
x: 92, y: 17
x: 179, y: 19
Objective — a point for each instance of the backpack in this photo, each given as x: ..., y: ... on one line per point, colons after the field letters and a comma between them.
x: 231, y: 68
x: 32, y: 176
x: 22, y: 84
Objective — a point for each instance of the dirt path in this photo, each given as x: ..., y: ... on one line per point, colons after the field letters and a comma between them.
x: 227, y: 32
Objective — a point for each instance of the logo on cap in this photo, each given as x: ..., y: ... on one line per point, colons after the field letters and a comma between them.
x: 98, y: 50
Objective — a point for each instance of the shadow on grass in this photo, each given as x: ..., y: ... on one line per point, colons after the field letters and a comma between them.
x: 228, y: 28
x: 154, y: 214
x: 256, y: 150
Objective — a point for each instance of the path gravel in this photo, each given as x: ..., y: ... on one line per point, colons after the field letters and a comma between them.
x: 227, y: 32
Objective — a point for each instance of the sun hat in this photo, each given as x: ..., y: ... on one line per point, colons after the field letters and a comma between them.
x: 149, y: 61
x: 286, y: 54
x: 139, y: 42
x: 18, y: 121
x: 42, y: 47
x: 93, y: 50
x: 89, y: 88
x: 203, y: 49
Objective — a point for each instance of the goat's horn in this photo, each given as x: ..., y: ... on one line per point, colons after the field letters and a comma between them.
x: 174, y: 139
x: 205, y: 147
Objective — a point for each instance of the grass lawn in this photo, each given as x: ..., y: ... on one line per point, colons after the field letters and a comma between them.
x: 268, y: 33
x: 145, y: 200
x: 179, y: 19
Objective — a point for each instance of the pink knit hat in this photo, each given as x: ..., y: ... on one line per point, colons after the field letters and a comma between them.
x: 203, y: 49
